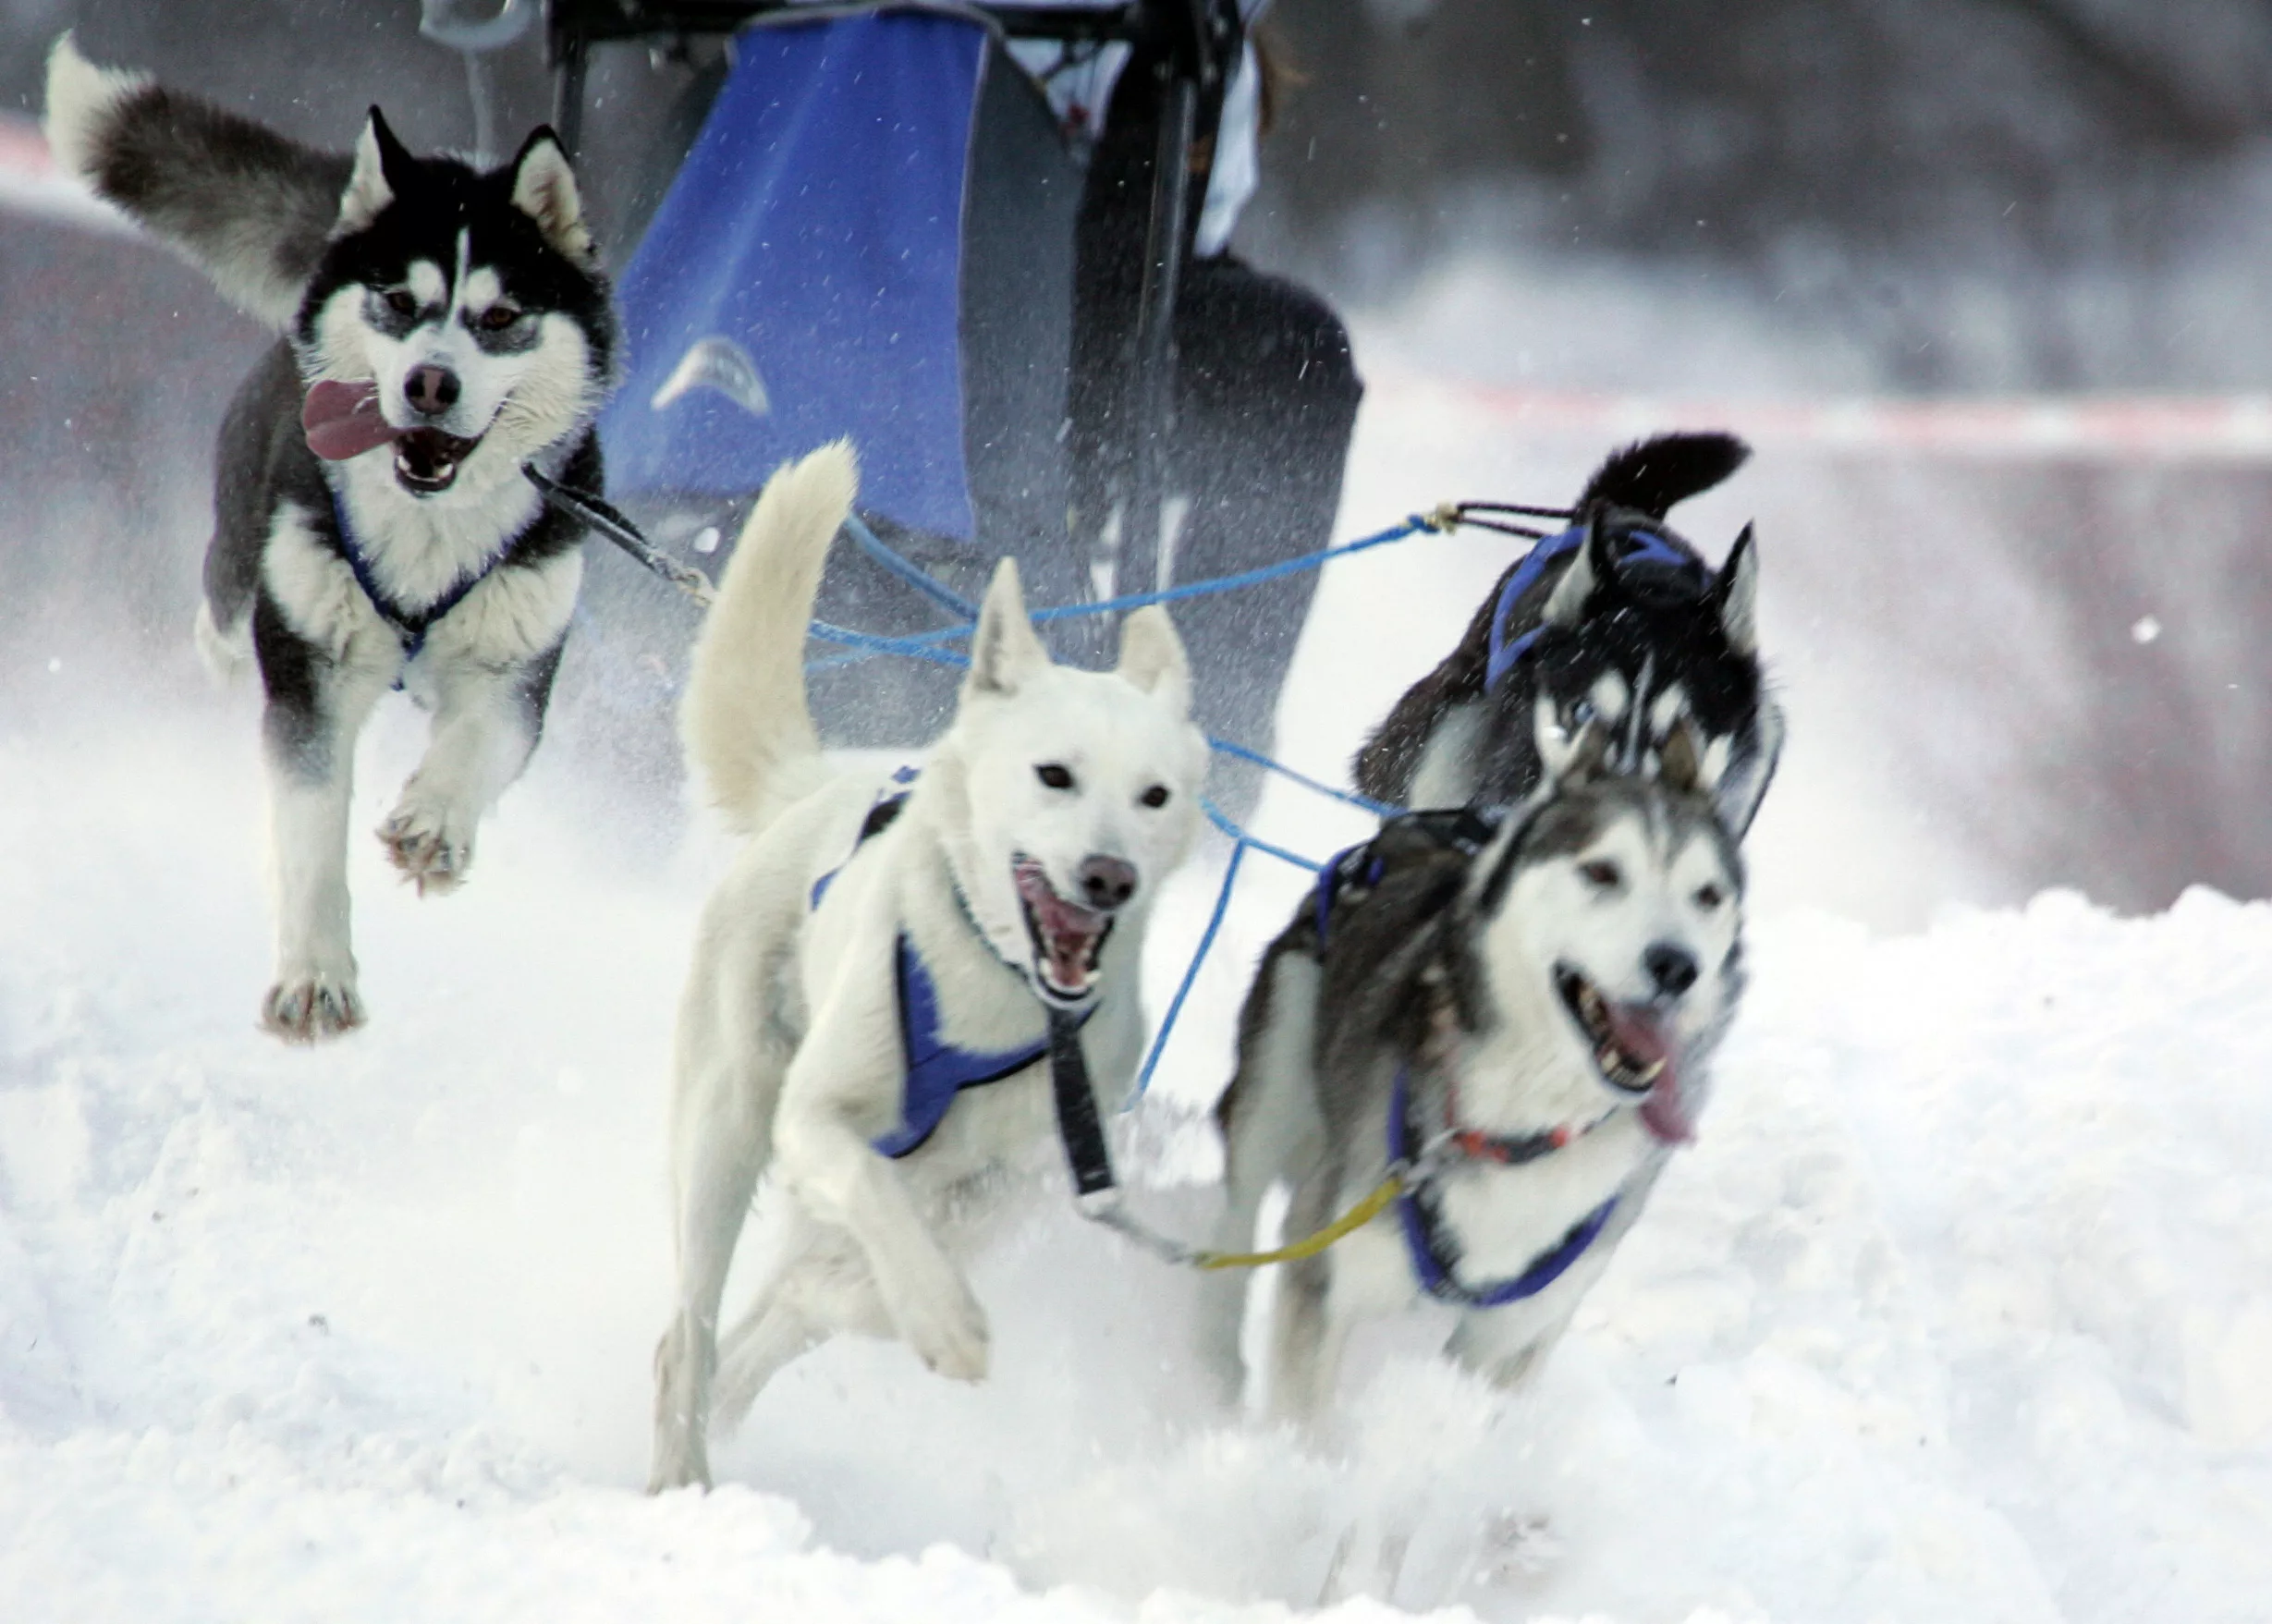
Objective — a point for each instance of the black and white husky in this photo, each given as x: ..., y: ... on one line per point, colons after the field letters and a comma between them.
x: 868, y: 1016
x: 1618, y: 619
x: 373, y: 528
x: 1520, y: 1018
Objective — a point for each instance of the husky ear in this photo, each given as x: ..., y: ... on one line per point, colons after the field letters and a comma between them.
x: 1566, y: 604
x: 1679, y: 767
x: 1151, y: 658
x: 1736, y: 595
x: 1005, y: 653
x: 382, y: 163
x: 544, y: 190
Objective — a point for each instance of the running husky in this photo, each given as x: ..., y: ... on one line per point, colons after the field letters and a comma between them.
x: 1523, y: 1016
x: 371, y: 524
x: 1618, y: 618
x: 879, y: 952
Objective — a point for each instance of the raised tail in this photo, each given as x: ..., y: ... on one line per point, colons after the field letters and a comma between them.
x: 1655, y: 475
x: 746, y: 721
x: 249, y: 208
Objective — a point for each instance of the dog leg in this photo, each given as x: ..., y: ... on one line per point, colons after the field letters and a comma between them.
x: 311, y: 755
x: 1507, y: 1346
x: 485, y: 728
x: 825, y: 1291
x: 1306, y: 1334
x: 719, y: 1149
x: 829, y: 1167
x: 1272, y: 1133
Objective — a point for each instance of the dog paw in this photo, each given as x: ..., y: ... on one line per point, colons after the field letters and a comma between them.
x: 313, y: 1008
x: 948, y: 1330
x: 420, y: 844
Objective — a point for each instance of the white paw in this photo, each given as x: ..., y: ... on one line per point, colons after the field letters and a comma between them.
x: 420, y: 841
x: 311, y: 1007
x: 946, y: 1328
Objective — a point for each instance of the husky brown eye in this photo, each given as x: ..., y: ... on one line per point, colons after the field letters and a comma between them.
x: 401, y: 302
x: 1055, y: 777
x: 497, y: 317
x: 1602, y: 874
x: 1709, y: 896
x: 1155, y: 796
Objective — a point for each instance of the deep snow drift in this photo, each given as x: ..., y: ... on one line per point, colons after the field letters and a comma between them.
x: 1960, y: 1311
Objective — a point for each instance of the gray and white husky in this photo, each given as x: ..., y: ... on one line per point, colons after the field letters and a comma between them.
x: 440, y: 326
x: 866, y: 1023
x: 1618, y: 619
x: 1522, y: 1019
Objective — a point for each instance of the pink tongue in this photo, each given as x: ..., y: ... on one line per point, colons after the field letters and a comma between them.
x: 342, y: 421
x: 1663, y: 1111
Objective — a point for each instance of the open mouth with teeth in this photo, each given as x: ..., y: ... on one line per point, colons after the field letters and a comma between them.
x: 426, y: 460
x: 1068, y: 938
x: 1631, y: 1051
x: 342, y: 421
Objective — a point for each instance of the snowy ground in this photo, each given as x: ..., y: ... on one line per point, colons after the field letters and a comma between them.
x: 1960, y: 1311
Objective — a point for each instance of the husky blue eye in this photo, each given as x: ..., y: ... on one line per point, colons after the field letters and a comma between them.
x: 1155, y: 796
x: 1054, y: 775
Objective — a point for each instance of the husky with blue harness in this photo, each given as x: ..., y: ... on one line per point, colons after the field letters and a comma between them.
x: 1617, y: 619
x: 903, y: 975
x: 1503, y: 1020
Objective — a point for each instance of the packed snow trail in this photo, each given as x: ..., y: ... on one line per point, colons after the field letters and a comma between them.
x: 1961, y: 1309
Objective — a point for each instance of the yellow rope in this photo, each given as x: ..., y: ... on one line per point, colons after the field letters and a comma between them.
x: 1357, y: 1217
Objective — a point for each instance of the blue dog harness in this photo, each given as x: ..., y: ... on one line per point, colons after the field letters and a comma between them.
x: 1648, y: 549
x: 1424, y: 1238
x: 409, y: 628
x: 937, y: 1069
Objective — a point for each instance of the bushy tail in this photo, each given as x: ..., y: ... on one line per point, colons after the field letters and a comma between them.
x: 1654, y: 476
x: 249, y: 208
x: 746, y: 722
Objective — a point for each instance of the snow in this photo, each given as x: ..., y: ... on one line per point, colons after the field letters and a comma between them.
x: 1958, y: 1312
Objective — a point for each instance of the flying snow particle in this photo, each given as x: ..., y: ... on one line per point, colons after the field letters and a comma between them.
x: 2145, y: 629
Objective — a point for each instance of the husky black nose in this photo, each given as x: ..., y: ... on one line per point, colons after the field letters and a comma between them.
x: 1106, y: 882
x: 1673, y: 969
x: 433, y: 390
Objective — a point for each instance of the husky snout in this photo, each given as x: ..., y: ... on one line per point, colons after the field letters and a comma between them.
x: 431, y: 390
x: 1671, y: 969
x: 1106, y: 882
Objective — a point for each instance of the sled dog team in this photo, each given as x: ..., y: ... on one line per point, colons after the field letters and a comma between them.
x: 1495, y: 1020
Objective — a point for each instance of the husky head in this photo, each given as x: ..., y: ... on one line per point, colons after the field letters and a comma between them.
x: 458, y: 321
x: 1070, y: 795
x: 1608, y: 913
x: 1641, y: 637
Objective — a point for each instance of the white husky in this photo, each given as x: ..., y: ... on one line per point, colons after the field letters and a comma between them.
x: 874, y: 959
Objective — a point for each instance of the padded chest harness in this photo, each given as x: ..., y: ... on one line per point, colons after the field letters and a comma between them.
x: 1645, y: 547
x: 937, y: 1070
x: 1424, y: 1239
x: 411, y: 629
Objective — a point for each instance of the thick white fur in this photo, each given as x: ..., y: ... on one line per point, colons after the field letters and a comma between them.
x: 790, y: 1060
x: 1529, y: 1071
x: 81, y: 98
